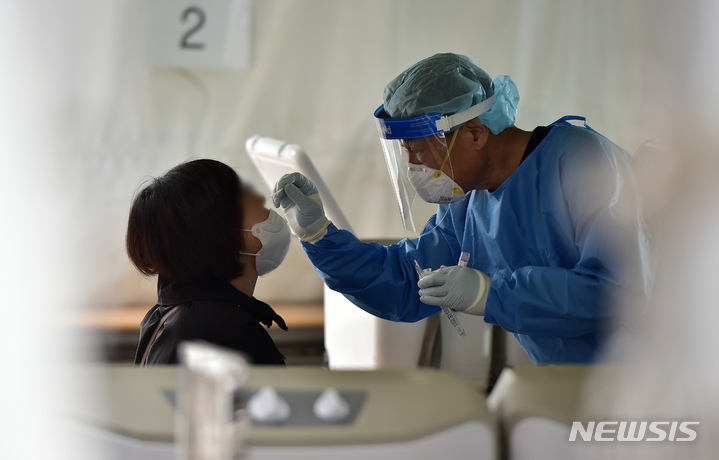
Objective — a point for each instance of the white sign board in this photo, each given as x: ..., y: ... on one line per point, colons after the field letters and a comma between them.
x: 198, y: 33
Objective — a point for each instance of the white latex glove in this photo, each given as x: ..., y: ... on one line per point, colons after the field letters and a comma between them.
x: 459, y: 288
x: 300, y: 201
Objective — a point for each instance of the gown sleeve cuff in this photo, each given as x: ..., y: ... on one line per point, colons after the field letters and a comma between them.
x: 319, y: 235
x: 479, y: 305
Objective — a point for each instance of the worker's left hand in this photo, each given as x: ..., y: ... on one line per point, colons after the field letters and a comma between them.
x: 460, y: 288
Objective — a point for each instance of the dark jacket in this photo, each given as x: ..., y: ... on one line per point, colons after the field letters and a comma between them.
x: 214, y: 312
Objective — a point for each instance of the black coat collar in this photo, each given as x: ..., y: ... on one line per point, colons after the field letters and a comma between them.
x: 179, y: 292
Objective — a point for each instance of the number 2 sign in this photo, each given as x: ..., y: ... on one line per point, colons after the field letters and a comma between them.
x: 196, y: 28
x: 198, y: 33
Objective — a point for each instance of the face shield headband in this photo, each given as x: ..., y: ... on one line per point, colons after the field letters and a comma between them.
x: 426, y: 125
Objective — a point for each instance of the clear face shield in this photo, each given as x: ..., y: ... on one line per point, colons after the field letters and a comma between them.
x: 417, y: 153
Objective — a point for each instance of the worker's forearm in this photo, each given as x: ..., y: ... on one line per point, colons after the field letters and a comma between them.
x: 379, y: 279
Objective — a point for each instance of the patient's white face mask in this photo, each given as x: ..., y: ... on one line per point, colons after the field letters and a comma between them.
x: 275, y: 236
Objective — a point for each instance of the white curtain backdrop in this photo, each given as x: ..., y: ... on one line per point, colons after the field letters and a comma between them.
x: 317, y: 71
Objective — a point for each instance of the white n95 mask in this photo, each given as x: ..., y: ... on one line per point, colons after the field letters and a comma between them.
x: 433, y: 185
x: 275, y: 236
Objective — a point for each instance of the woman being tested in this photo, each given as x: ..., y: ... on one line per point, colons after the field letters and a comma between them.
x: 207, y: 237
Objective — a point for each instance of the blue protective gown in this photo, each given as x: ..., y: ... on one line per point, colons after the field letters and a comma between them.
x: 550, y: 237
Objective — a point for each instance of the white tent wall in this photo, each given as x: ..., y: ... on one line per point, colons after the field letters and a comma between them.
x: 317, y: 71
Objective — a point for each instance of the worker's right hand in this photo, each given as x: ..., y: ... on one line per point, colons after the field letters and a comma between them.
x: 300, y: 201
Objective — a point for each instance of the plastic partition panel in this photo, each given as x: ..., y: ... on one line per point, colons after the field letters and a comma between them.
x: 275, y: 158
x: 468, y: 357
x: 355, y: 339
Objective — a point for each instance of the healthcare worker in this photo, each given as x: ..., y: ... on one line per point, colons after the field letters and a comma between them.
x: 558, y: 247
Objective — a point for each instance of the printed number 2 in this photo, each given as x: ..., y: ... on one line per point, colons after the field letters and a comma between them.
x: 184, y: 42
